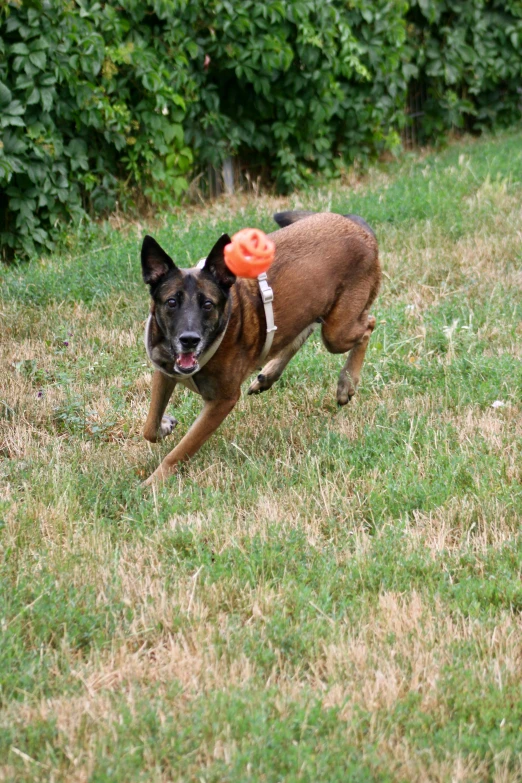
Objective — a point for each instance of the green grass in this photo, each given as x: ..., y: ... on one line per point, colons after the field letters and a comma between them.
x: 320, y: 595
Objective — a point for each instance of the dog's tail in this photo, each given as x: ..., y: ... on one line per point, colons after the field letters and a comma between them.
x: 287, y: 218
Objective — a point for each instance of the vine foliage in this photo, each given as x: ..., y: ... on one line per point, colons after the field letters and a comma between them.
x: 101, y: 101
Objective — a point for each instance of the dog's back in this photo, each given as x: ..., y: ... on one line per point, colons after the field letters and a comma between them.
x: 318, y: 257
x: 284, y: 219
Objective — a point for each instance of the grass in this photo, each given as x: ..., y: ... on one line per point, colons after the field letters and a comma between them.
x: 320, y: 594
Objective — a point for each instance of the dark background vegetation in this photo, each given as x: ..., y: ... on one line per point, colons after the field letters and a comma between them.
x: 104, y: 104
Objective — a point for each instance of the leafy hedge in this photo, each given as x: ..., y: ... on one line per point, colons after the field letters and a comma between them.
x: 100, y: 102
x: 468, y: 54
x: 91, y: 104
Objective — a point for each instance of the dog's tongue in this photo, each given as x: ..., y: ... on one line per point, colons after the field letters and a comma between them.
x: 186, y: 361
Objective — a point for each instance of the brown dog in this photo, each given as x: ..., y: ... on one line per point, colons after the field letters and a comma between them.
x: 207, y: 329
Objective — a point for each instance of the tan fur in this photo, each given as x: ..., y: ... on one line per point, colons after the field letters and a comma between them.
x: 326, y: 268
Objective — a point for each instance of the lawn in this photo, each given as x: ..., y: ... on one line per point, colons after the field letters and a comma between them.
x: 322, y: 594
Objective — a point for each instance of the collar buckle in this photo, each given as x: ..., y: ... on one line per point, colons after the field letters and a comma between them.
x: 267, y: 294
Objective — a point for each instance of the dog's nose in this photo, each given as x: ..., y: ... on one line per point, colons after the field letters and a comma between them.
x: 189, y: 340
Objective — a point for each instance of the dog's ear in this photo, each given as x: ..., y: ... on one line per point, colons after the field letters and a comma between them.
x: 215, y: 264
x: 155, y: 263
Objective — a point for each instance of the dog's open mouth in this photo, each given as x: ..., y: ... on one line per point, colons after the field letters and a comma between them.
x: 186, y: 362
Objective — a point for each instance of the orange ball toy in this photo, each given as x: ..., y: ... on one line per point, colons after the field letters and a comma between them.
x: 250, y: 253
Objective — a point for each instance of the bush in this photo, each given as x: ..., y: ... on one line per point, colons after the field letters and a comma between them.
x: 296, y: 87
x: 467, y: 56
x: 100, y: 102
x: 91, y: 104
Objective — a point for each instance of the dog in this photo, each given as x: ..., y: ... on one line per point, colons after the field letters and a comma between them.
x: 207, y: 329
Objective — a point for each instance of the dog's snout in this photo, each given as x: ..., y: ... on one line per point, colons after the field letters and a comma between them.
x: 189, y: 340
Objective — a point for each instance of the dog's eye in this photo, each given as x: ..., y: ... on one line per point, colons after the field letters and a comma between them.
x: 208, y: 305
x: 172, y: 303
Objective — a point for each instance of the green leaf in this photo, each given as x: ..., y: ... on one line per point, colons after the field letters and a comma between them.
x: 15, y: 108
x: 47, y: 98
x: 34, y: 97
x: 13, y: 144
x: 38, y: 59
x: 76, y: 147
x: 7, y: 119
x: 19, y: 48
x: 5, y: 94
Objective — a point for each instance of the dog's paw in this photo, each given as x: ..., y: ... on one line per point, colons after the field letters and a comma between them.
x: 159, y: 476
x: 259, y: 385
x: 345, y: 391
x: 167, y: 425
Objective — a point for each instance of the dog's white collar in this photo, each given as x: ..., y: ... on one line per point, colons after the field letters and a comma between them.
x: 267, y: 295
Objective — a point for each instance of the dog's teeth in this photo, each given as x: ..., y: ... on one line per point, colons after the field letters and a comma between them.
x: 186, y: 361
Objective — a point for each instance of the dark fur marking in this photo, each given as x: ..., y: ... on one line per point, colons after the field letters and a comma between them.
x: 215, y: 265
x: 155, y: 263
x: 191, y: 289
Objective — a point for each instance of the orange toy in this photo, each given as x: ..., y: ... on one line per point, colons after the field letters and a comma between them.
x: 250, y: 253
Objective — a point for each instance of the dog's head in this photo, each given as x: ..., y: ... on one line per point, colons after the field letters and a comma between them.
x: 190, y: 305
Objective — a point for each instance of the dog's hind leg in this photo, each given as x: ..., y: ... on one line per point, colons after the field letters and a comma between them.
x: 273, y: 369
x: 342, y: 337
x: 351, y: 373
x: 159, y: 426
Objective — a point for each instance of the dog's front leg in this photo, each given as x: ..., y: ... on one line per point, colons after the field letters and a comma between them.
x: 207, y: 422
x: 157, y: 425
